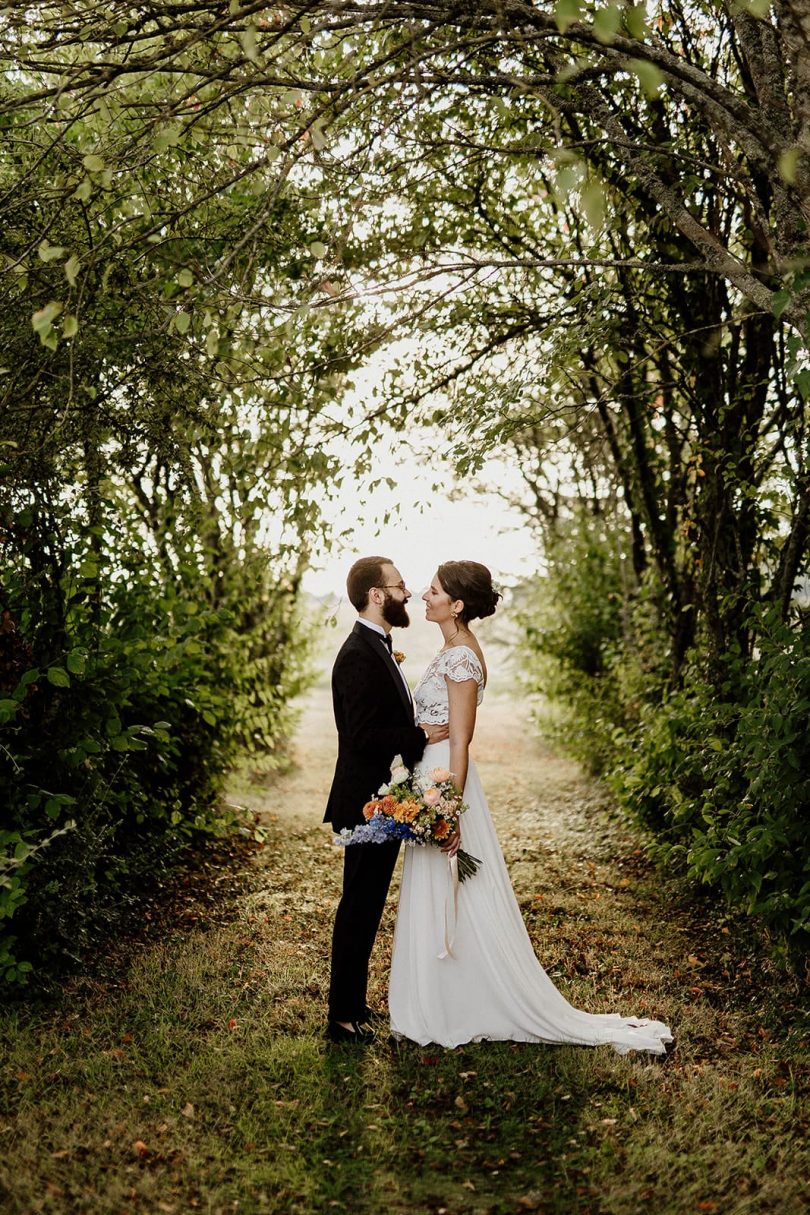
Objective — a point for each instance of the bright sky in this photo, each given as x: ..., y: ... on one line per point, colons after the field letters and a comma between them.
x: 430, y: 526
x: 429, y: 529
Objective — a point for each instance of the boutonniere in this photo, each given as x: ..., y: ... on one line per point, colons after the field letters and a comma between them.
x: 398, y: 656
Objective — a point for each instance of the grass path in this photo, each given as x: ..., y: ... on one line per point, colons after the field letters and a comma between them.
x: 195, y: 1077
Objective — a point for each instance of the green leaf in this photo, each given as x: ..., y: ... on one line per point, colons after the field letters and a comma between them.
x: 593, y: 204
x: 44, y: 318
x: 182, y: 321
x: 93, y: 163
x: 72, y: 268
x: 606, y: 23
x: 83, y: 190
x: 635, y: 21
x: 649, y: 77
x: 779, y: 302
x: 58, y: 676
x: 76, y: 661
x: 185, y: 278
x: 757, y: 8
x: 247, y: 39
x: 566, y: 12
x: 168, y: 137
x: 786, y: 165
x: 70, y: 326
x: 49, y: 253
x: 318, y: 249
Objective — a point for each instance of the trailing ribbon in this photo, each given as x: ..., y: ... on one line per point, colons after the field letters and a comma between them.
x: 450, y: 909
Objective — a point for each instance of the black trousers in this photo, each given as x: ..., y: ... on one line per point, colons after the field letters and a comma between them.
x: 367, y: 872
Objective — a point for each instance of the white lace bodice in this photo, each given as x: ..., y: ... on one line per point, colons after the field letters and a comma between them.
x: 430, y: 695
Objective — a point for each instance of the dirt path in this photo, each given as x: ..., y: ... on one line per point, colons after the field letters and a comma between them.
x: 538, y: 798
x: 573, y: 865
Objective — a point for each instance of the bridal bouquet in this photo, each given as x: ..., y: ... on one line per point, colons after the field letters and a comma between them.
x: 416, y: 809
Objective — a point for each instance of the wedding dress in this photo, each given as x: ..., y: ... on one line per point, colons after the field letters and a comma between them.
x: 463, y: 967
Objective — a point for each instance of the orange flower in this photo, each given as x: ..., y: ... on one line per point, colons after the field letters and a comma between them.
x: 368, y: 809
x: 406, y: 812
x: 388, y: 806
x: 441, y: 829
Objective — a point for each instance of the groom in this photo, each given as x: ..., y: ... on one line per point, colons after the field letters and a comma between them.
x: 374, y: 714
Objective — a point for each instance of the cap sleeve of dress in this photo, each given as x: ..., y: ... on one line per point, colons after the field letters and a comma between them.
x: 462, y: 663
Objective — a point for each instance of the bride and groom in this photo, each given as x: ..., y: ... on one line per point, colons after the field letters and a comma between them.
x: 463, y: 968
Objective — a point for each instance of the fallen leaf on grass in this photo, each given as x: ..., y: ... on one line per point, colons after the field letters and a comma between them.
x: 461, y: 1104
x: 188, y: 1110
x: 140, y: 1148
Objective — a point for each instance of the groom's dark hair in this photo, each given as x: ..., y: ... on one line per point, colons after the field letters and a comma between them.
x: 364, y: 574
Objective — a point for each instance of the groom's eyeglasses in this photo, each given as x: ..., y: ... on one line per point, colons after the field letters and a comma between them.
x: 399, y: 586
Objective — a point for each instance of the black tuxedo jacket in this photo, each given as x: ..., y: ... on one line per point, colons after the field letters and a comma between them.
x: 374, y: 718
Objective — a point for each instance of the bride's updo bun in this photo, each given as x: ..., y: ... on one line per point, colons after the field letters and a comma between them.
x: 472, y: 583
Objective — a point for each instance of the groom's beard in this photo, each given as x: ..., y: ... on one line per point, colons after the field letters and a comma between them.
x: 395, y: 613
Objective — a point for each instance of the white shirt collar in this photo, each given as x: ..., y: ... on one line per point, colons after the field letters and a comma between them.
x: 370, y: 624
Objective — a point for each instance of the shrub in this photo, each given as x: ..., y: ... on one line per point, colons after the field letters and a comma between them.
x: 723, y: 777
x: 118, y: 727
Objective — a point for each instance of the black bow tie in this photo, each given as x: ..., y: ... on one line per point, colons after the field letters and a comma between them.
x: 387, y: 642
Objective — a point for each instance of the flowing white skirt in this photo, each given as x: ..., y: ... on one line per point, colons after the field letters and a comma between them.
x: 490, y: 986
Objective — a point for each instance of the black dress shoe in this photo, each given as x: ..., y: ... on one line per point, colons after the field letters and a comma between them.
x: 361, y: 1035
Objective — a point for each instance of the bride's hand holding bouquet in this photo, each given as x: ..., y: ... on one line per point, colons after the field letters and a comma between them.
x: 416, y: 808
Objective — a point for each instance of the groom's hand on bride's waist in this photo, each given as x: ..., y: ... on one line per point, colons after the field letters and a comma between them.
x: 435, y: 733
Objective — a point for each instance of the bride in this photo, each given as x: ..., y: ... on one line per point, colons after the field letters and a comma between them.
x: 463, y: 967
